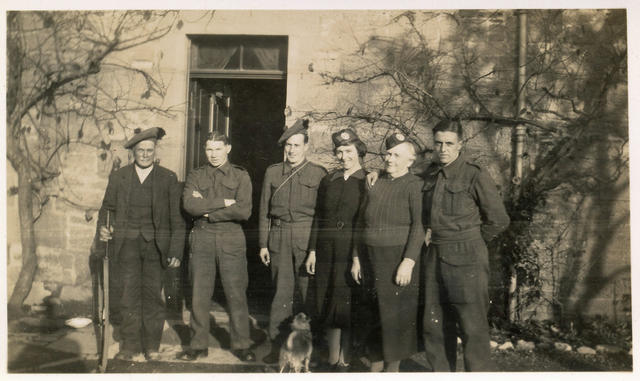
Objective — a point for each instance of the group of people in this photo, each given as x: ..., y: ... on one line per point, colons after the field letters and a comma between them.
x: 351, y: 232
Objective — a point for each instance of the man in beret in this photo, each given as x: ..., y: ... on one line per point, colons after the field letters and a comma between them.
x: 462, y: 211
x: 287, y: 207
x: 147, y: 229
x: 218, y: 196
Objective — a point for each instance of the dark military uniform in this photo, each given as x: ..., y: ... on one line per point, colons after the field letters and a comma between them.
x: 463, y: 209
x: 287, y: 207
x: 218, y: 240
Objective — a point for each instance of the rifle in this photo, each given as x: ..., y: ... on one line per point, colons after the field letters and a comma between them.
x: 104, y: 319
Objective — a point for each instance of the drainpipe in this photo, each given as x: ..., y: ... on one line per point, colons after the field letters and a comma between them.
x: 520, y: 132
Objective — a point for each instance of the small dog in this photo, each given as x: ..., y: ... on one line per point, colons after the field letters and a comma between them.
x: 295, y: 353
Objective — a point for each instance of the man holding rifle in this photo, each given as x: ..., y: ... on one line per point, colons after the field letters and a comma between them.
x: 147, y: 233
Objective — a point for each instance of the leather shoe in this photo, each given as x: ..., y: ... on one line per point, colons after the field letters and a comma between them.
x: 124, y: 355
x: 244, y: 354
x: 271, y: 358
x: 152, y: 355
x: 193, y: 354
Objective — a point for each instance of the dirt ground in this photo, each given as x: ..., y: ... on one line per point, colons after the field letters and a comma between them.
x: 31, y: 352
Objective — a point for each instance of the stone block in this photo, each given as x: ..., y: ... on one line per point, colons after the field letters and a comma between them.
x: 606, y: 348
x: 523, y: 345
x: 80, y: 293
x: 69, y: 276
x: 49, y: 266
x: 15, y: 253
x: 37, y: 294
x: 563, y: 347
x: 51, y: 231
x: 584, y: 350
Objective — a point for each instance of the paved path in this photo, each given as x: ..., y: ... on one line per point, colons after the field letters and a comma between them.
x: 46, y: 346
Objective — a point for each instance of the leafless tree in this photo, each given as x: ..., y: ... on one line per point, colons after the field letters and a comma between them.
x: 68, y: 84
x: 575, y: 105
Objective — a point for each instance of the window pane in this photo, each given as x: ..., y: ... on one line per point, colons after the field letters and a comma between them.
x: 218, y: 57
x: 222, y: 52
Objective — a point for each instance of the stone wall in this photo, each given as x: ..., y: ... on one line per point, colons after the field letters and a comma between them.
x: 324, y: 41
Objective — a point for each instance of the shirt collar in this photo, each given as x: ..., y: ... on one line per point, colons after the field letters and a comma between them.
x: 287, y: 168
x: 453, y: 168
x: 224, y: 168
x: 143, y: 172
x: 359, y: 174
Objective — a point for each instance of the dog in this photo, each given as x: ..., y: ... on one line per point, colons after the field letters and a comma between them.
x: 295, y: 353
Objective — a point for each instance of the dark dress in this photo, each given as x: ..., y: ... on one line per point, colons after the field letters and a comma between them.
x: 332, y: 238
x: 392, y: 230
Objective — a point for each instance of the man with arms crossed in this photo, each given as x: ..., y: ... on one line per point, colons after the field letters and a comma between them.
x: 218, y: 195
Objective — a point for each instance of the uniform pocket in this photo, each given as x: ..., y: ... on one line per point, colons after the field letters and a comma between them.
x: 457, y: 200
x: 461, y: 282
x: 464, y: 270
x: 233, y: 244
x: 229, y: 187
x: 275, y: 238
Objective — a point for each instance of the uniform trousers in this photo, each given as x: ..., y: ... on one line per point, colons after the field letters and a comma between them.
x: 456, y: 291
x: 226, y: 251
x: 288, y: 250
x: 142, y: 307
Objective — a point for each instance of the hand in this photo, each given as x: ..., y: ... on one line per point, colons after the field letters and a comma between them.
x: 105, y: 234
x: 228, y: 202
x: 310, y: 263
x: 427, y: 238
x: 173, y: 262
x: 403, y: 274
x: 264, y: 256
x: 355, y: 270
x: 372, y: 177
x: 196, y: 194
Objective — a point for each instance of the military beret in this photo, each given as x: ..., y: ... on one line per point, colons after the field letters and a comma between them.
x: 344, y: 137
x: 155, y: 133
x: 399, y: 138
x: 299, y: 127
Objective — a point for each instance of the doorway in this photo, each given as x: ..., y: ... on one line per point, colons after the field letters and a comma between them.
x: 251, y: 113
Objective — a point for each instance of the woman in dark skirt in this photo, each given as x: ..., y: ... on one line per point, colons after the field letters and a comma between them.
x: 392, y: 232
x: 331, y: 244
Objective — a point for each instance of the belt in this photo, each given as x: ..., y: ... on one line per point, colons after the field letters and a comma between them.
x: 204, y: 223
x: 275, y: 221
x: 451, y: 236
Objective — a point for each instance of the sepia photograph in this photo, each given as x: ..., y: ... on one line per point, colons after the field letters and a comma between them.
x: 278, y: 188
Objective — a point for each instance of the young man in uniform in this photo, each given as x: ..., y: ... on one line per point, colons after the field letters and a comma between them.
x: 462, y: 211
x: 218, y: 196
x: 287, y: 207
x: 147, y: 229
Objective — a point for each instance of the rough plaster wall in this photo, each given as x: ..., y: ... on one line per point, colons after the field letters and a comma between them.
x: 318, y: 41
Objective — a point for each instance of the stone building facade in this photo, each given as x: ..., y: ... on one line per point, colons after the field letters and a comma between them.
x: 250, y: 73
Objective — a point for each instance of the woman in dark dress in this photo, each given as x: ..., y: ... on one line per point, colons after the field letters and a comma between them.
x: 331, y: 244
x: 392, y: 232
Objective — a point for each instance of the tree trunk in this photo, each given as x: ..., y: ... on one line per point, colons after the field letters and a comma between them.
x: 27, y: 238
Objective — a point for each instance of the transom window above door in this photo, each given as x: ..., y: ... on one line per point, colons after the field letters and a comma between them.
x: 238, y: 56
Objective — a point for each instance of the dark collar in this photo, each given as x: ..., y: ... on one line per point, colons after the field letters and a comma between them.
x: 388, y: 176
x: 453, y: 168
x: 287, y: 168
x: 224, y: 168
x: 448, y: 171
x: 359, y: 174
